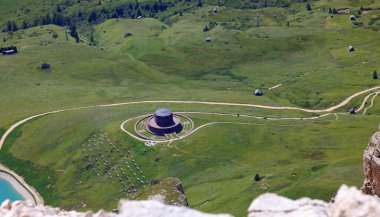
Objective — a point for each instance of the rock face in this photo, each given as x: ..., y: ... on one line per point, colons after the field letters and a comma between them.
x: 371, y: 165
x: 272, y: 205
x: 169, y: 191
x: 349, y: 202
x: 126, y: 209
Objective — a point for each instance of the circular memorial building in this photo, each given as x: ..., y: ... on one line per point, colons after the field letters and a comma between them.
x: 163, y: 125
x: 164, y: 122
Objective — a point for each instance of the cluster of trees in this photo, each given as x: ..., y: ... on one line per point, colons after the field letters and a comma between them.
x: 3, y: 49
x: 333, y: 11
x: 11, y: 26
x: 57, y: 19
x: 210, y: 26
x: 74, y: 33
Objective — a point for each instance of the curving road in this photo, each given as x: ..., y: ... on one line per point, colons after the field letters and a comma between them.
x: 343, y: 103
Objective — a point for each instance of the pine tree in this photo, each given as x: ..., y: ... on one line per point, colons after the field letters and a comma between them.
x: 375, y: 75
x: 14, y: 27
x: 24, y: 25
x: 9, y: 26
x: 330, y: 11
x: 46, y: 20
x: 58, y: 9
x: 74, y: 33
x: 200, y: 4
x: 308, y: 6
x: 334, y: 11
x: 93, y: 17
x: 257, y: 177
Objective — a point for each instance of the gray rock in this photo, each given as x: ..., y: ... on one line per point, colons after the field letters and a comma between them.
x: 349, y: 202
x: 272, y: 205
x: 156, y: 209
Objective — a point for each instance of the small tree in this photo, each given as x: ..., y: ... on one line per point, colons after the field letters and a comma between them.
x: 200, y: 3
x: 9, y: 26
x: 375, y: 75
x: 58, y: 9
x: 14, y: 26
x: 24, y: 25
x: 334, y: 11
x: 330, y: 11
x: 205, y: 29
x: 257, y: 177
x: 74, y: 33
x: 308, y: 6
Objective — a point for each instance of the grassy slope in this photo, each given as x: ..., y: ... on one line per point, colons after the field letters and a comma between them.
x: 216, y: 165
x: 175, y: 63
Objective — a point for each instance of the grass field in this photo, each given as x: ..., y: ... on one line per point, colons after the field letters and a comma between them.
x: 217, y: 164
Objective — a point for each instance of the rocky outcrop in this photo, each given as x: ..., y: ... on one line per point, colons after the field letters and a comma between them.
x: 270, y: 205
x: 371, y: 165
x: 349, y: 202
x: 169, y: 191
x: 126, y: 209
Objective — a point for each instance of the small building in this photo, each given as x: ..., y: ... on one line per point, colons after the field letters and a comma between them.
x: 352, y: 111
x: 258, y: 92
x: 208, y: 39
x: 9, y: 52
x: 45, y: 66
x: 351, y: 48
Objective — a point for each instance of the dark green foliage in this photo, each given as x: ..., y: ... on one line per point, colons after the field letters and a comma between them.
x: 308, y: 6
x: 58, y: 19
x: 74, y: 33
x: 58, y: 9
x: 11, y: 26
x: 200, y: 3
x: 375, y: 75
x: 257, y: 178
x: 93, y: 17
x: 46, y: 20
x: 24, y: 25
x: 334, y: 11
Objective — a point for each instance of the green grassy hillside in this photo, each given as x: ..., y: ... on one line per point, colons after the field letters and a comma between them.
x: 166, y: 57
